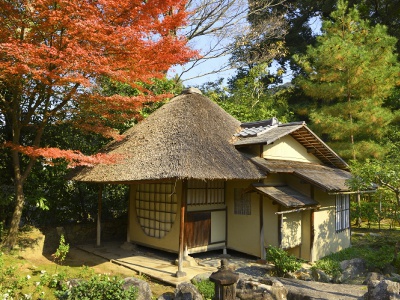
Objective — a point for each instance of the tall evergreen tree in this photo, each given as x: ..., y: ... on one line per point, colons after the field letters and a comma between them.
x: 303, y: 20
x: 349, y: 73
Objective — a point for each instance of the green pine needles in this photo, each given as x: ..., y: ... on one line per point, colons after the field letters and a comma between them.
x: 349, y: 73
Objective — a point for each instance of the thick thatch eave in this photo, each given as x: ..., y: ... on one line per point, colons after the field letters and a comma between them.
x: 187, y: 138
x: 329, y: 179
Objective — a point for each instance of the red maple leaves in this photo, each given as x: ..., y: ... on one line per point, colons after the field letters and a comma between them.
x: 52, y: 53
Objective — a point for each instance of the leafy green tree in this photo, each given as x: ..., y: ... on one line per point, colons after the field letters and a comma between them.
x: 385, y: 174
x: 349, y: 73
x: 249, y: 96
x: 303, y: 19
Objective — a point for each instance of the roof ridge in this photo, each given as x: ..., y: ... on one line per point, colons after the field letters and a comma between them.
x: 267, y: 122
x: 292, y: 123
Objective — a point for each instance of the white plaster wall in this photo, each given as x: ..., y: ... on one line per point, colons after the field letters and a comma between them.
x: 271, y: 225
x: 218, y: 226
x: 326, y: 239
x: 306, y: 235
x: 287, y: 148
x: 291, y: 231
x: 243, y: 230
x: 170, y: 242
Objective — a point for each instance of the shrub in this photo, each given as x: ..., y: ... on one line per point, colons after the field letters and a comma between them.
x: 396, y: 263
x: 329, y: 266
x: 100, y: 288
x: 62, y: 250
x: 374, y: 257
x: 283, y: 262
x: 206, y: 288
x: 379, y: 258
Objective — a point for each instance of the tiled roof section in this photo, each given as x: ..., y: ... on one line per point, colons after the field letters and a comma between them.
x: 269, y: 136
x: 257, y: 128
x: 254, y: 131
x: 329, y: 179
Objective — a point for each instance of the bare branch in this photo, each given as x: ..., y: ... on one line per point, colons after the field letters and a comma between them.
x: 219, y: 28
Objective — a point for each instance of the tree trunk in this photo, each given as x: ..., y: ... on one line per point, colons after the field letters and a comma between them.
x: 19, y: 180
x: 11, y: 239
x: 358, y: 218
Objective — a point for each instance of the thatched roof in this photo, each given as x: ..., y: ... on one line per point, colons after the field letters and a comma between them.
x: 298, y: 130
x: 286, y: 196
x: 327, y: 178
x: 189, y: 137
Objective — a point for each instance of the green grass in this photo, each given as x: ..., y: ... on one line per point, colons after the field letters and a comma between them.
x: 20, y: 279
x: 384, y: 225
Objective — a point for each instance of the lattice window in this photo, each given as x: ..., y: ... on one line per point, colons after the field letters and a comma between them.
x: 205, y: 192
x: 156, y: 208
x: 342, y: 212
x: 242, y: 205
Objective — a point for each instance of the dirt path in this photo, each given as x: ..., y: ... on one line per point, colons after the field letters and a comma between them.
x: 33, y: 250
x: 317, y: 290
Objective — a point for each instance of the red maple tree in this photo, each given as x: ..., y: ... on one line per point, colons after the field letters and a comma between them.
x: 52, y: 54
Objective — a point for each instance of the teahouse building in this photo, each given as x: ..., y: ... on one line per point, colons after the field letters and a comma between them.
x: 201, y: 180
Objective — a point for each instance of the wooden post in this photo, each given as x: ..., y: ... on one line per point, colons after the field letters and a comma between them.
x: 312, y: 228
x: 100, y: 196
x: 180, y: 272
x: 262, y: 249
x: 280, y: 226
x: 128, y: 235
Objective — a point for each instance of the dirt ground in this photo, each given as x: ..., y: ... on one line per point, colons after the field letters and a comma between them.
x: 34, y: 249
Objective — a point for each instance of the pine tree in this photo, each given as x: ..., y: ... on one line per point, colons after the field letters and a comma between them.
x: 349, y: 73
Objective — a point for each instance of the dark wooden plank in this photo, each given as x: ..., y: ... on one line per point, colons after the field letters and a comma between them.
x: 198, y: 229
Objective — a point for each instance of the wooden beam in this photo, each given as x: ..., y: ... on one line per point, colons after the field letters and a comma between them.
x: 180, y: 272
x: 297, y: 210
x: 100, y: 196
x: 280, y: 228
x: 128, y: 230
x: 262, y: 249
x: 311, y: 150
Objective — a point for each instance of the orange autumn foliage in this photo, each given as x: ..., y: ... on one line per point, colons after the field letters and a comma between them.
x: 52, y: 53
x: 73, y: 157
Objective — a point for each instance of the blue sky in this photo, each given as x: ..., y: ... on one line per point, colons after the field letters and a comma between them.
x: 192, y: 77
x: 204, y: 68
